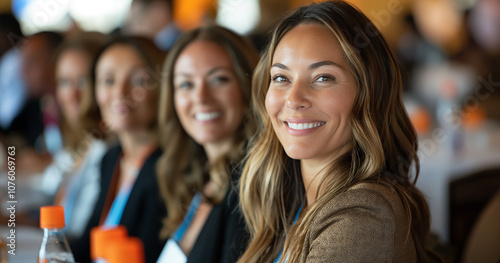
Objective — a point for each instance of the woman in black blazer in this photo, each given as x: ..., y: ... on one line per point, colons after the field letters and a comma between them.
x: 205, y: 123
x: 126, y: 93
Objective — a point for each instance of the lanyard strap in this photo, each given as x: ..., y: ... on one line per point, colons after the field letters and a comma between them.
x: 112, y: 192
x: 116, y: 211
x: 177, y: 236
x: 110, y: 195
x: 294, y: 221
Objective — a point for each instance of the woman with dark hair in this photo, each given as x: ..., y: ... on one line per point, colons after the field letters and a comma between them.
x: 126, y: 93
x: 329, y: 174
x: 205, y: 122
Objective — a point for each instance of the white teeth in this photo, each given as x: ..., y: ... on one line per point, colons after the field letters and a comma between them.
x: 207, y: 116
x: 304, y: 126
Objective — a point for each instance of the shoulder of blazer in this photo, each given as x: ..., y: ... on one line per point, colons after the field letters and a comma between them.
x: 373, y: 197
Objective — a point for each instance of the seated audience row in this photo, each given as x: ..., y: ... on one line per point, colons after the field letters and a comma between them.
x: 209, y: 155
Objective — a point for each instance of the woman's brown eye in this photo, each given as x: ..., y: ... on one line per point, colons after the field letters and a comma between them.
x: 326, y: 78
x: 220, y: 80
x: 279, y: 78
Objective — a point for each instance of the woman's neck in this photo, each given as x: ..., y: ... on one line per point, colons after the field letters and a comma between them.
x: 217, y: 149
x: 135, y: 143
x: 315, y: 169
x: 136, y: 146
x: 312, y: 175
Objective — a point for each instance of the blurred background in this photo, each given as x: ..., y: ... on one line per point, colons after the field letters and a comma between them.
x: 450, y: 50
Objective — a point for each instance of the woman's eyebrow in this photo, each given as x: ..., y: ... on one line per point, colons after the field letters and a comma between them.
x: 312, y: 66
x: 323, y: 63
x: 214, y: 70
x: 181, y: 74
x: 279, y: 65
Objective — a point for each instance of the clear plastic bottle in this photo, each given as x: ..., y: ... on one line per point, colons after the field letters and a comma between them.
x: 54, y: 247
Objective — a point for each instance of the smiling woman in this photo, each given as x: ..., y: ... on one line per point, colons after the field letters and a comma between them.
x: 324, y: 180
x: 126, y: 93
x: 311, y: 93
x: 205, y: 122
x: 207, y: 96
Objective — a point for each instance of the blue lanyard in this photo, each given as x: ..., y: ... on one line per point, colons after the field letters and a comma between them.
x: 116, y: 211
x: 294, y: 221
x: 177, y: 236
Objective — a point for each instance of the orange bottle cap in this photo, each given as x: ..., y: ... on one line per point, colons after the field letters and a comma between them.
x: 52, y: 217
x: 101, y: 237
x: 126, y: 250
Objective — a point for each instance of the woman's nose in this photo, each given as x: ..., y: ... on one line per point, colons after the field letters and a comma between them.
x: 298, y: 97
x: 123, y: 88
x: 202, y: 93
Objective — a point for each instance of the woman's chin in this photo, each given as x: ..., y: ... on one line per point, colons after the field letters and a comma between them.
x: 298, y: 154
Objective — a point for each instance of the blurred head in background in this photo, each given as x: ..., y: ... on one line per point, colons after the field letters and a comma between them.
x: 152, y: 19
x: 485, y: 25
x: 429, y: 16
x: 148, y: 17
x: 127, y: 84
x: 74, y: 86
x: 37, y: 53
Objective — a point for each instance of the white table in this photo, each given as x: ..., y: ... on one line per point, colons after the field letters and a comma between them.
x: 438, y: 168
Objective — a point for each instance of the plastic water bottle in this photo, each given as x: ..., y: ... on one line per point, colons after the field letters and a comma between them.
x: 54, y: 248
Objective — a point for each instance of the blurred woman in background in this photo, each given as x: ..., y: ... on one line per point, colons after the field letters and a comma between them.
x: 328, y: 177
x: 126, y: 92
x: 205, y: 122
x: 76, y: 168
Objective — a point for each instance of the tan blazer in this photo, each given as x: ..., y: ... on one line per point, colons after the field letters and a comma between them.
x: 367, y: 223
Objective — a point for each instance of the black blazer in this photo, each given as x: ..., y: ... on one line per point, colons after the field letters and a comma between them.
x: 142, y: 215
x: 224, y: 237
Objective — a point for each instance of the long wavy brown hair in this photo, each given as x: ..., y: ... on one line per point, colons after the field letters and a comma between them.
x: 384, y: 142
x: 183, y: 168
